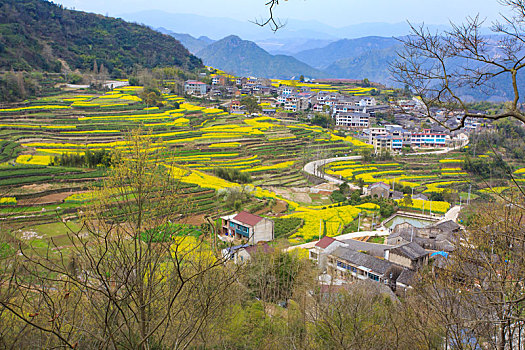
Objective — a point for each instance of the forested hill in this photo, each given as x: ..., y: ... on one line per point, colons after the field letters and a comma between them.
x: 37, y: 35
x: 245, y: 58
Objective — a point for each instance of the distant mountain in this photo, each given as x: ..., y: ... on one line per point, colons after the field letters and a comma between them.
x: 245, y: 58
x: 219, y: 27
x: 370, y: 58
x: 215, y: 27
x: 291, y: 46
x: 322, y: 58
x: 390, y: 30
x: 193, y: 45
x: 39, y: 35
x: 206, y: 40
x: 371, y: 64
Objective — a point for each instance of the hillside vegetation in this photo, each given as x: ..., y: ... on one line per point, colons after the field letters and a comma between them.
x: 39, y: 35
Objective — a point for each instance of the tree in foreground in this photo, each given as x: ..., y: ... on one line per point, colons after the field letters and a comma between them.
x: 129, y: 279
x: 442, y: 68
x: 477, y: 294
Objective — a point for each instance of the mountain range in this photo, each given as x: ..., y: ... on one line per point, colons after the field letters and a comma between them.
x: 361, y: 58
x: 219, y: 27
x: 193, y: 45
x: 348, y: 58
x: 39, y: 35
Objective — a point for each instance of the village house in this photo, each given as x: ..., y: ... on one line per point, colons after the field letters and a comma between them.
x: 404, y: 281
x: 341, y: 108
x: 420, y: 196
x: 354, y: 121
x: 219, y: 80
x: 322, y: 248
x: 245, y: 252
x: 382, y: 190
x: 410, y: 255
x: 440, y: 236
x: 429, y: 139
x: 367, y: 102
x: 286, y: 90
x: 248, y: 227
x: 389, y: 143
x: 235, y: 106
x: 269, y: 112
x: 194, y: 87
x: 290, y: 102
x: 374, y: 132
x: 348, y: 261
x: 241, y: 81
x: 378, y: 189
x: 349, y: 265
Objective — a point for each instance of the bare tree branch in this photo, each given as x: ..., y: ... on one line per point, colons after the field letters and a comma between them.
x: 438, y: 67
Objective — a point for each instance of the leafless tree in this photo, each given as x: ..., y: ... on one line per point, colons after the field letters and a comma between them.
x: 273, y: 22
x: 131, y: 278
x: 477, y: 294
x: 367, y: 315
x: 440, y: 66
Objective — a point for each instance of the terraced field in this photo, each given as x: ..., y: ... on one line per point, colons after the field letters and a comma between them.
x: 428, y: 174
x: 43, y: 141
x: 200, y: 139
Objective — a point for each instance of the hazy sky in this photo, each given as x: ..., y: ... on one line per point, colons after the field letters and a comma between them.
x: 338, y: 13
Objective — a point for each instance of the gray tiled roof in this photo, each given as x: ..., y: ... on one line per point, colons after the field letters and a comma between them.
x: 406, y: 277
x: 371, y: 248
x: 410, y: 250
x: 447, y: 226
x: 360, y: 259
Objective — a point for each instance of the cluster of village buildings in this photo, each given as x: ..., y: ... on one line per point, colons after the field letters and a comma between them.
x: 359, y: 114
x: 343, y: 261
x: 407, y: 248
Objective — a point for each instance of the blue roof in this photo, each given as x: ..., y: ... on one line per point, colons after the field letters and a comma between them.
x: 443, y: 254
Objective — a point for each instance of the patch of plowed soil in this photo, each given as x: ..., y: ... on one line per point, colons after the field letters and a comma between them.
x: 37, y: 187
x: 195, y: 220
x: 55, y: 198
x: 280, y: 207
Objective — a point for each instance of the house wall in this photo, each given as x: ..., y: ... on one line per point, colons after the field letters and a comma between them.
x: 263, y: 231
x: 323, y: 253
x: 401, y: 289
x: 394, y: 241
x: 400, y: 260
x: 380, y: 192
x: 352, y: 273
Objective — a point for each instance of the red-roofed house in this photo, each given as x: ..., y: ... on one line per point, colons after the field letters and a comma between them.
x: 194, y: 87
x: 322, y: 248
x: 246, y: 226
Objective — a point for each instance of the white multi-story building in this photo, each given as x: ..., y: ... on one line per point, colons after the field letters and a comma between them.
x: 291, y: 103
x: 338, y: 108
x: 429, y: 139
x: 367, y: 102
x: 374, y: 132
x: 353, y: 120
x: 194, y: 87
